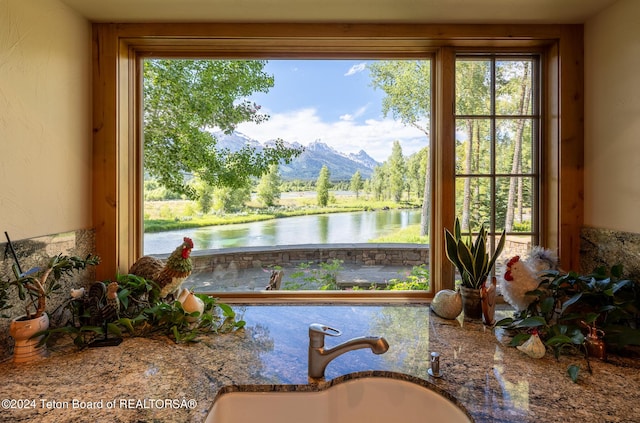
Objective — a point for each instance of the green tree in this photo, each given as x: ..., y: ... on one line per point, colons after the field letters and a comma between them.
x: 473, y: 97
x: 227, y: 199
x: 183, y: 101
x: 269, y: 187
x: 322, y: 186
x: 397, y: 171
x: 378, y: 182
x: 416, y: 169
x: 205, y: 193
x: 356, y: 183
x: 407, y: 85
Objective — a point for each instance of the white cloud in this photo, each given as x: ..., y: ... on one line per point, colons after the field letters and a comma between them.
x: 357, y: 114
x: 375, y: 136
x: 356, y: 68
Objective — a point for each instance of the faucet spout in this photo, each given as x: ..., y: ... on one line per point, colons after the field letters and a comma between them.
x: 320, y: 357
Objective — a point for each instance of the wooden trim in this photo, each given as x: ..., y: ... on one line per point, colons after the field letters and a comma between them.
x: 549, y: 154
x: 116, y: 47
x: 105, y: 159
x: 329, y: 297
x: 443, y: 165
x: 434, y: 34
x: 571, y: 146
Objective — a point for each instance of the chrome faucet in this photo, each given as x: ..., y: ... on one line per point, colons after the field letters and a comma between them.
x: 319, y: 356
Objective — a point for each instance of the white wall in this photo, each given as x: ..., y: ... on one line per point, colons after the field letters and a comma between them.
x: 612, y: 118
x: 45, y: 116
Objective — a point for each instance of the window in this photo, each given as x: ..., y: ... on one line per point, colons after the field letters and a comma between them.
x: 120, y: 48
x: 497, y: 140
x: 365, y: 123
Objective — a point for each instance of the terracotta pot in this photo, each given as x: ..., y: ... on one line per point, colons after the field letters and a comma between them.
x: 471, y: 303
x: 26, y: 348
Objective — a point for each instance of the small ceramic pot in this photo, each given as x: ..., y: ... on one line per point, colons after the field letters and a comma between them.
x: 471, y: 303
x: 26, y: 348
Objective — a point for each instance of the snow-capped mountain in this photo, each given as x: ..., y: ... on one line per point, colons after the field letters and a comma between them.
x: 308, y: 164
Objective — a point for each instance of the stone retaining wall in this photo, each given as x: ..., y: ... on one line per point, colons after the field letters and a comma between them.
x: 288, y: 256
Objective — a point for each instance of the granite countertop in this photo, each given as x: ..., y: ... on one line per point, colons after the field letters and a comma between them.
x: 145, y: 380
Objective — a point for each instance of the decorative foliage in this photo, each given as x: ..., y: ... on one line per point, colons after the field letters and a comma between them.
x: 470, y: 257
x: 35, y: 285
x: 143, y: 313
x: 565, y: 305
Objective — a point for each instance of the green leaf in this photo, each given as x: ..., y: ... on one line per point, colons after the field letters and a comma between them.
x: 573, y: 372
x: 519, y: 339
x: 452, y: 250
x: 114, y: 329
x: 558, y: 340
x: 571, y: 301
x: 546, y: 305
x: 176, y: 333
x: 532, y: 322
x: 466, y: 259
x: 457, y: 229
x: 504, y: 322
x: 127, y: 323
x: 228, y: 311
x: 577, y: 337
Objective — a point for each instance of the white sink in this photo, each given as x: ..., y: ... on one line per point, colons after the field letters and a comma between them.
x: 367, y: 399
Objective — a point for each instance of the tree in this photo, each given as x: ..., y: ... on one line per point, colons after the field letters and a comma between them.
x: 269, y: 186
x: 356, y: 183
x: 472, y: 98
x: 397, y: 172
x: 378, y: 182
x: 322, y: 186
x: 523, y: 85
x: 416, y: 169
x: 227, y: 199
x: 205, y: 193
x: 407, y: 85
x: 183, y: 101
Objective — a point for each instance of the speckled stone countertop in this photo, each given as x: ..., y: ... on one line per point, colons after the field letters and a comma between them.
x: 155, y: 380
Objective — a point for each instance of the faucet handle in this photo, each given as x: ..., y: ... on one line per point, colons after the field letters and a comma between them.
x: 324, y: 329
x: 317, y: 332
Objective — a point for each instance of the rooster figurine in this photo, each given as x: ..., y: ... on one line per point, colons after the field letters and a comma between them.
x: 168, y: 275
x: 522, y: 276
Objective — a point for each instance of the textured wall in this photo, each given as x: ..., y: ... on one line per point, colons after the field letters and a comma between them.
x: 45, y: 116
x: 612, y: 118
x: 602, y: 247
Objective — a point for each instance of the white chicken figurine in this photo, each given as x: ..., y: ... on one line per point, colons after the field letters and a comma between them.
x: 522, y: 276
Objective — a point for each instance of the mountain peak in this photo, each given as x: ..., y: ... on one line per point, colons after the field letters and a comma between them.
x: 308, y: 164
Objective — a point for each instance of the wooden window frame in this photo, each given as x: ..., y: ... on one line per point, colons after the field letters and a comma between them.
x: 118, y: 49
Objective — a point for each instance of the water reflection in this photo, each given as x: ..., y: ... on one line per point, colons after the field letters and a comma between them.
x: 404, y: 327
x: 354, y: 227
x: 323, y: 229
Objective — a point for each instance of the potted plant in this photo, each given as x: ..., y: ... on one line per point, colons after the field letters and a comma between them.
x: 586, y: 314
x: 472, y: 260
x: 34, y: 287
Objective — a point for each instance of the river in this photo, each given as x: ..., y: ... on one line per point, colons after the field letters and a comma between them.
x: 353, y: 227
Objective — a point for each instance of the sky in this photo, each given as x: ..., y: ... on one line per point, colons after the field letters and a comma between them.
x: 329, y: 101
